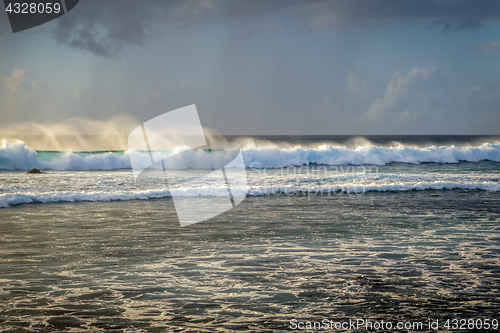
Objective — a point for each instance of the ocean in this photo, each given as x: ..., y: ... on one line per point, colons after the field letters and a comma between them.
x: 400, y: 229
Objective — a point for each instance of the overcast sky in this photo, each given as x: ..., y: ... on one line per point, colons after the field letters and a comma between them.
x: 263, y: 66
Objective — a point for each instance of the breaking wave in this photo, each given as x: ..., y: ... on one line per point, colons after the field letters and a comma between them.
x: 17, y: 156
x: 12, y: 199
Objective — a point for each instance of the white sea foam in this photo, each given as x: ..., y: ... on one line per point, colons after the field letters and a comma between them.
x: 368, y: 154
x: 17, y: 156
x: 12, y: 199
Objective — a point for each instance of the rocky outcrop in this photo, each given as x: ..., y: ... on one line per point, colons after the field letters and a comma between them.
x: 35, y: 171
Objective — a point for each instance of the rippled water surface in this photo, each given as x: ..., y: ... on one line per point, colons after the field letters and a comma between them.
x: 128, y: 266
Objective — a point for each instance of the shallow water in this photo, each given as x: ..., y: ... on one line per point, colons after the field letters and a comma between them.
x: 69, y: 186
x: 128, y: 266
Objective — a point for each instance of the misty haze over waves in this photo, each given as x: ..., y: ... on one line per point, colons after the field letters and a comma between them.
x: 17, y: 156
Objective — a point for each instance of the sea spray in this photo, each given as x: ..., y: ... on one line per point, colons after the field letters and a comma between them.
x: 17, y: 156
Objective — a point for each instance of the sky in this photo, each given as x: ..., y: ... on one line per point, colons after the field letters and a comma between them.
x: 260, y: 67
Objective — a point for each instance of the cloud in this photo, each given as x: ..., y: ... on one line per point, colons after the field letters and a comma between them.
x: 106, y: 28
x: 187, y: 12
x: 458, y: 14
x: 244, y: 9
x: 23, y: 97
x: 483, y: 104
x: 488, y: 47
x: 422, y: 101
x: 103, y: 28
x: 409, y: 96
x: 357, y: 87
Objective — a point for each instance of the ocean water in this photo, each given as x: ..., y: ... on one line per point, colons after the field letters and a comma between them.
x: 400, y: 229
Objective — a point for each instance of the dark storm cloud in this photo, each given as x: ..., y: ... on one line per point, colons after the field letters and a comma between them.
x: 457, y: 14
x: 106, y: 27
x: 448, y: 14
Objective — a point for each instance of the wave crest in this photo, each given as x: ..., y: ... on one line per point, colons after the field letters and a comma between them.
x: 368, y: 155
x: 17, y: 156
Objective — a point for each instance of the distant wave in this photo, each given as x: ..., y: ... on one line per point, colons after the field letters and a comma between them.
x: 12, y: 199
x: 368, y: 154
x: 17, y: 156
